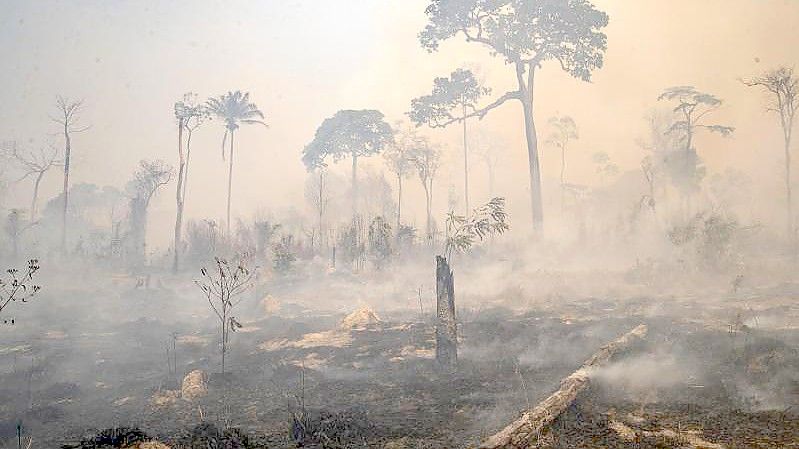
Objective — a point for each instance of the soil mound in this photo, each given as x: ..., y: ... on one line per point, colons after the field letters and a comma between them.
x: 194, y: 385
x: 360, y: 319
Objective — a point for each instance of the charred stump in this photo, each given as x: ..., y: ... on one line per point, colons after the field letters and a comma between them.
x: 446, y: 327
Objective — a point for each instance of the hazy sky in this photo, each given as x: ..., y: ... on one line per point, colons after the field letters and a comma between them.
x: 303, y: 60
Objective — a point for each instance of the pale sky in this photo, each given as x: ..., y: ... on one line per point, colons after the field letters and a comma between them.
x: 303, y: 60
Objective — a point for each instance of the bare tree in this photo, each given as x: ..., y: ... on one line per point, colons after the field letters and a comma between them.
x: 564, y: 130
x: 487, y: 147
x: 783, y: 88
x: 148, y: 178
x: 426, y: 158
x: 221, y: 285
x: 68, y: 116
x: 397, y: 158
x: 319, y: 198
x: 190, y: 115
x: 18, y: 287
x: 35, y: 163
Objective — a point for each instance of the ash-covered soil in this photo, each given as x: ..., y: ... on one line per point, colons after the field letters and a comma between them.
x: 725, y: 375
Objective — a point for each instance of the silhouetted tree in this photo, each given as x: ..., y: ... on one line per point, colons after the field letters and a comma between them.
x: 147, y: 179
x: 348, y: 133
x: 782, y: 87
x: 525, y: 33
x: 564, y: 130
x: 691, y: 109
x: 189, y: 115
x: 68, y: 116
x: 487, y: 146
x: 35, y: 163
x: 397, y: 158
x: 451, y: 101
x: 319, y: 198
x: 234, y: 108
x: 604, y: 166
x: 426, y: 158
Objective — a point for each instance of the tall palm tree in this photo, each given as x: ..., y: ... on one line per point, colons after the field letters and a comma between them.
x: 234, y: 108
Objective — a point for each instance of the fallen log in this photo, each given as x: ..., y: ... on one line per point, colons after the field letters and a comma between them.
x: 524, y: 432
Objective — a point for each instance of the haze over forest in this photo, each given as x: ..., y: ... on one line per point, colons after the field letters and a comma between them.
x: 399, y: 224
x: 302, y: 61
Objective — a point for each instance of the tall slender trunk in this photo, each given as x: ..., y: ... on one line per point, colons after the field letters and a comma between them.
x: 427, y: 206
x: 67, y: 153
x: 531, y: 138
x: 35, y: 198
x: 179, y: 199
x: 354, y: 185
x: 229, y: 184
x: 224, y: 340
x: 399, y: 202
x: 465, y: 166
x: 322, y: 240
x: 188, y: 159
x: 788, y: 201
x: 562, y: 176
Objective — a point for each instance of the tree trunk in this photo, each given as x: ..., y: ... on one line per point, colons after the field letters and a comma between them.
x: 524, y: 432
x: 446, y: 326
x: 531, y: 139
x: 179, y: 199
x: 321, y: 209
x: 229, y: 184
x: 562, y: 176
x: 465, y: 167
x: 188, y: 158
x: 399, y: 203
x: 788, y: 201
x: 35, y: 198
x: 428, y: 228
x: 224, y: 341
x: 67, y: 153
x: 354, y: 185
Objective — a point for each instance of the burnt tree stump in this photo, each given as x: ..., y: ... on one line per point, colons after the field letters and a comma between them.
x: 446, y: 327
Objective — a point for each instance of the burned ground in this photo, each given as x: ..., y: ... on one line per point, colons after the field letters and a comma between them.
x: 727, y: 373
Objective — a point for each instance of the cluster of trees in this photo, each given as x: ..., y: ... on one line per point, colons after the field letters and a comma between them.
x: 526, y: 35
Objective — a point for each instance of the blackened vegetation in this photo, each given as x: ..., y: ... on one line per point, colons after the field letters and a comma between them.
x: 117, y: 437
x: 326, y: 429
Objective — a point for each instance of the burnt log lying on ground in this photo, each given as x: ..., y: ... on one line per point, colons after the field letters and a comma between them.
x: 525, y: 431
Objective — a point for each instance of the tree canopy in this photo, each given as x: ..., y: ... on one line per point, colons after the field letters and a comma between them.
x: 524, y: 31
x: 450, y: 99
x: 692, y: 106
x: 354, y: 133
